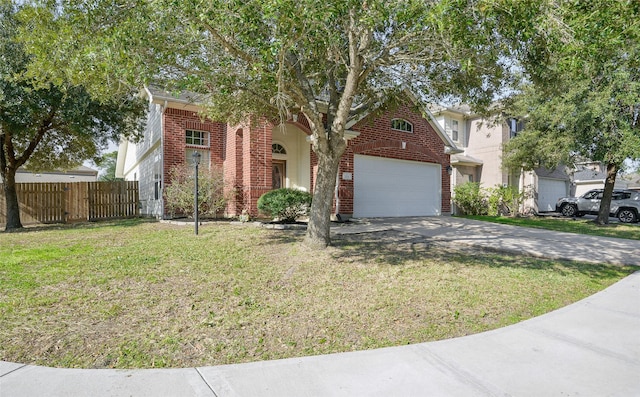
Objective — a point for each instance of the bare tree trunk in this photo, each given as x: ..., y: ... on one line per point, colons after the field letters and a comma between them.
x: 318, y: 230
x: 605, y: 203
x: 11, y: 199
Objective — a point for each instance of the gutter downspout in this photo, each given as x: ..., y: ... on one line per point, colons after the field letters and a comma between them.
x: 163, y: 107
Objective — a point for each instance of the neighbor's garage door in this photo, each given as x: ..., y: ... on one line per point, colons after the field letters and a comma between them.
x: 549, y: 191
x: 389, y: 187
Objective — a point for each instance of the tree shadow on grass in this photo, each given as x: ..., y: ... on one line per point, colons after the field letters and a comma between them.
x: 399, y: 248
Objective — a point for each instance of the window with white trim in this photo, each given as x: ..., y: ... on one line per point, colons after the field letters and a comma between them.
x: 515, y: 126
x: 454, y: 130
x: 401, y: 125
x: 197, y: 138
x: 157, y: 181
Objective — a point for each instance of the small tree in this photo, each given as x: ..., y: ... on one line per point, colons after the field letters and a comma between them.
x: 53, y: 124
x: 582, y: 100
x: 285, y: 204
x: 179, y: 192
x: 470, y: 199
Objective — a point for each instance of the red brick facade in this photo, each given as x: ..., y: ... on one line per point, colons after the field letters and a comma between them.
x: 377, y: 138
x: 244, y: 152
x: 176, y: 122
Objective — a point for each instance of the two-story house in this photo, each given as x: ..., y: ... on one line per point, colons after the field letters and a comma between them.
x: 482, y: 141
x: 396, y: 163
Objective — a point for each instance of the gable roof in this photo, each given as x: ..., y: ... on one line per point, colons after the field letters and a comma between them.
x: 557, y: 173
x: 189, y: 101
x: 450, y: 146
x: 589, y: 175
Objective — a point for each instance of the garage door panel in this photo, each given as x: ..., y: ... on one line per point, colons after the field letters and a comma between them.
x: 389, y: 187
x: 549, y: 191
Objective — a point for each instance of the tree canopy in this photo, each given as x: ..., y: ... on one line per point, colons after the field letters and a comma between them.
x: 45, y: 125
x: 332, y: 60
x: 584, y: 100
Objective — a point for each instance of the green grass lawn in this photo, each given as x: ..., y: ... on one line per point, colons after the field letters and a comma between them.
x: 571, y: 225
x: 135, y: 294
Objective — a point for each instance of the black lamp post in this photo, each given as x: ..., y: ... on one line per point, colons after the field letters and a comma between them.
x: 196, y: 162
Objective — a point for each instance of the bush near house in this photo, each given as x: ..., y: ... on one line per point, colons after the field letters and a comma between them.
x: 470, y: 199
x: 285, y: 205
x: 499, y: 200
x: 504, y: 200
x: 179, y: 193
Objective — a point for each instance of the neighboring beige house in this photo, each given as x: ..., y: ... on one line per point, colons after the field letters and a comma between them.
x: 78, y: 174
x: 482, y: 141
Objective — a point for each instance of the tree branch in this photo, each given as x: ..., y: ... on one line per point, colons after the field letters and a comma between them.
x: 227, y: 45
x: 45, y: 125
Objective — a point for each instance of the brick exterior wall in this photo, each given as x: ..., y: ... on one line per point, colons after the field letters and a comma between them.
x: 233, y: 169
x: 244, y: 152
x: 256, y: 164
x: 247, y: 165
x: 378, y: 139
x: 176, y: 122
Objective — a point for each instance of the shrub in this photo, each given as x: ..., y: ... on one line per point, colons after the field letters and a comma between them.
x: 286, y: 205
x: 504, y: 200
x: 179, y: 192
x: 470, y: 199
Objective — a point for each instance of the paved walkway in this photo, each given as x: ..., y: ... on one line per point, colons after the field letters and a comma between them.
x: 590, y: 348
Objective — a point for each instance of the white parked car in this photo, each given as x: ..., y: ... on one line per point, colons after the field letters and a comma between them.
x: 625, y: 205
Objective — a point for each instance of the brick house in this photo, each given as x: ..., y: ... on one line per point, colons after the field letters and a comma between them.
x: 396, y: 164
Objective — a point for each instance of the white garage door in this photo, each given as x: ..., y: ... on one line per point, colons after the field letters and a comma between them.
x: 549, y: 191
x: 389, y: 187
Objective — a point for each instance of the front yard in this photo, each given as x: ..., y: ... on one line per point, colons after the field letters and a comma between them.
x: 135, y: 294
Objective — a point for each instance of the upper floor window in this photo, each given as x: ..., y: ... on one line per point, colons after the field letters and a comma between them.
x: 515, y: 126
x: 454, y: 130
x: 277, y: 148
x: 401, y: 125
x: 198, y: 138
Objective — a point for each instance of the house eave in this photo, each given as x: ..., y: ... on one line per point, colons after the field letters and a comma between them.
x: 170, y: 101
x: 465, y: 161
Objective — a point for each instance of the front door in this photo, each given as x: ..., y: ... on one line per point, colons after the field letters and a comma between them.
x: 278, y: 174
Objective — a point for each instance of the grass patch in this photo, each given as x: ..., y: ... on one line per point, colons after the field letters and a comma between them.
x: 141, y: 295
x: 570, y: 225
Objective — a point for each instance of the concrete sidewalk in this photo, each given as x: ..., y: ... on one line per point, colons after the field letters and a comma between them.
x: 590, y: 348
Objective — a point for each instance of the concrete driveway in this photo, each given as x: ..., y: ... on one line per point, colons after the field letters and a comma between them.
x: 521, y: 240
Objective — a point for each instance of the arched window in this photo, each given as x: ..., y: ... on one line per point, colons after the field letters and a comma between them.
x: 401, y: 125
x: 277, y: 148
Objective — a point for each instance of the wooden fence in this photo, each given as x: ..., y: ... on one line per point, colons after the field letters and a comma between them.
x: 74, y: 202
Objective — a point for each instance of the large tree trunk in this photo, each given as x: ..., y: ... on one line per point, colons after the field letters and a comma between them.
x: 605, y: 203
x: 11, y: 199
x: 318, y: 230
